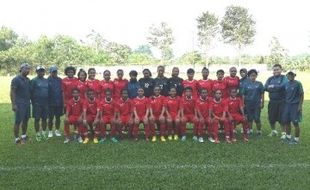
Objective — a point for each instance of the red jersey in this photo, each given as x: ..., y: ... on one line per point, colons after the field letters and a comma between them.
x: 82, y: 87
x: 206, y: 84
x: 95, y: 86
x: 108, y: 108
x: 203, y: 106
x: 92, y: 107
x: 188, y: 105
x: 125, y: 108
x: 220, y: 85
x: 172, y: 105
x: 119, y: 85
x: 234, y: 105
x: 75, y: 107
x: 157, y: 104
x: 232, y: 82
x: 193, y: 84
x: 141, y: 105
x: 106, y: 85
x: 67, y: 85
x: 218, y: 107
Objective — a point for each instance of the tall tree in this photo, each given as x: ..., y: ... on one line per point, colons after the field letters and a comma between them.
x: 144, y: 49
x: 278, y: 53
x: 97, y: 41
x: 8, y: 38
x: 161, y: 37
x: 118, y: 53
x: 207, y: 25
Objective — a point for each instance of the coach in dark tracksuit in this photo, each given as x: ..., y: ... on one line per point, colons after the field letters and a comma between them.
x: 147, y: 83
x: 162, y: 81
x: 175, y: 81
x: 275, y: 85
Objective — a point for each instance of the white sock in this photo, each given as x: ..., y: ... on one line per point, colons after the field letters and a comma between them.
x: 24, y: 136
x: 274, y: 131
x: 283, y: 133
x: 297, y: 139
x: 288, y: 136
x: 16, y: 139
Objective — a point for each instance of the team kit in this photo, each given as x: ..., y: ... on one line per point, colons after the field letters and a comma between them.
x: 164, y: 108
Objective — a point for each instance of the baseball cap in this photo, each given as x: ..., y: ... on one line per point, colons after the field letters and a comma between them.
x: 53, y: 68
x: 24, y: 65
x: 291, y: 72
x: 40, y: 68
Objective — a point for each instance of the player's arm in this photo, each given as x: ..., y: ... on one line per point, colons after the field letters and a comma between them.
x: 13, y: 97
x: 301, y: 96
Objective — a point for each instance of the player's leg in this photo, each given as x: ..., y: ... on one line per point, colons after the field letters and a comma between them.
x: 182, y: 128
x: 147, y: 126
x: 162, y: 129
x: 51, y: 116
x: 272, y: 115
x: 215, y: 125
x: 296, y: 118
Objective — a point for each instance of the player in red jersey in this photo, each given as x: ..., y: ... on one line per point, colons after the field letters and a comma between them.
x: 119, y: 84
x: 93, y: 83
x: 81, y: 84
x: 188, y: 114
x: 108, y: 117
x: 218, y: 110
x: 124, y: 114
x: 91, y: 113
x: 141, y: 113
x: 235, y: 111
x: 68, y: 84
x: 232, y: 81
x: 203, y: 114
x: 157, y: 117
x: 220, y: 84
x: 106, y: 83
x: 73, y: 115
x: 191, y: 82
x: 205, y: 82
x: 172, y: 108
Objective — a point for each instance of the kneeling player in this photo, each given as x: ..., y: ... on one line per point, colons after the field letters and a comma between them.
x: 203, y: 115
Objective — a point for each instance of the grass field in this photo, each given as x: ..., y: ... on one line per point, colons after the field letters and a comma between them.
x: 263, y: 163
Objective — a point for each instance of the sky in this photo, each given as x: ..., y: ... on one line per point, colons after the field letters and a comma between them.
x: 128, y: 21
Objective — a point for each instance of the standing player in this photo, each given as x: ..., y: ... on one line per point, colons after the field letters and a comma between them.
x: 74, y: 110
x: 253, y: 96
x: 20, y: 99
x: 235, y: 111
x: 188, y: 114
x: 147, y: 83
x: 141, y: 113
x: 232, y: 81
x: 91, y: 113
x: 55, y: 102
x: 244, y: 79
x: 81, y: 84
x: 220, y: 83
x: 133, y: 85
x: 157, y: 114
x: 93, y: 83
x: 68, y: 84
x: 39, y: 99
x: 275, y: 87
x: 162, y: 81
x: 294, y: 97
x: 119, y: 84
x: 172, y: 108
x: 175, y: 81
x: 191, y: 82
x: 203, y: 115
x: 205, y: 82
x: 106, y: 83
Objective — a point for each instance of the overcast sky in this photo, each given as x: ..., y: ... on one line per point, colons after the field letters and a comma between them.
x: 127, y: 21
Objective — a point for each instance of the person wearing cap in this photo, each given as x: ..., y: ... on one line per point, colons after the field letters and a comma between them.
x: 55, y: 102
x: 294, y: 97
x: 20, y: 99
x: 39, y: 100
x: 275, y: 87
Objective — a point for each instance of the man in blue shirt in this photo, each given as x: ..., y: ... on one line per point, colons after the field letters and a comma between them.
x: 39, y: 99
x: 55, y: 102
x: 275, y: 86
x: 294, y: 97
x: 20, y: 99
x: 133, y: 85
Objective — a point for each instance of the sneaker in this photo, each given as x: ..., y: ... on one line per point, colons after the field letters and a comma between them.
x: 86, y: 140
x: 286, y: 139
x: 183, y: 138
x: 114, y: 140
x: 283, y: 136
x: 233, y: 140
x: 200, y: 139
x: 17, y: 141
x: 38, y: 137
x: 216, y: 141
x: 96, y: 140
x: 170, y: 137
x: 245, y: 139
x: 102, y: 140
x: 211, y: 139
x: 67, y: 140
x: 227, y: 140
x: 50, y: 134
x: 80, y: 140
x: 163, y: 139
x: 176, y: 137
x: 293, y: 141
x: 195, y: 138
x: 273, y: 133
x: 154, y: 139
x: 57, y: 133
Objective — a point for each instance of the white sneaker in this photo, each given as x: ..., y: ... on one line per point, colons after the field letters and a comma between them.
x: 50, y: 134
x: 273, y: 133
x: 200, y: 139
x: 57, y: 133
x: 211, y: 139
x: 80, y: 140
x: 283, y: 136
x: 66, y: 141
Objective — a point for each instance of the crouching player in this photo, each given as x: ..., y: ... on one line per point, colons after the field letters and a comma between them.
x: 74, y: 109
x: 172, y: 108
x: 157, y: 114
x: 91, y: 112
x: 217, y: 110
x: 235, y: 111
x: 108, y: 117
x: 141, y: 113
x: 188, y: 114
x: 294, y: 97
x: 203, y: 114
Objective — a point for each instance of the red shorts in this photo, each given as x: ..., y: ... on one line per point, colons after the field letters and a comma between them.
x: 237, y: 118
x: 107, y: 119
x: 73, y: 119
x: 125, y: 119
x: 90, y: 118
x: 189, y: 118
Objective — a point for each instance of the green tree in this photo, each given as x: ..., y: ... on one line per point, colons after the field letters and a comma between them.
x: 144, y: 49
x: 118, y: 53
x: 278, y: 54
x: 193, y: 58
x: 207, y: 25
x: 96, y: 41
x: 161, y: 37
x: 8, y: 38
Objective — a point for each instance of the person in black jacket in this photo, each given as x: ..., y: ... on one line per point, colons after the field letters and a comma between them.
x: 147, y: 83
x: 162, y: 81
x: 175, y: 81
